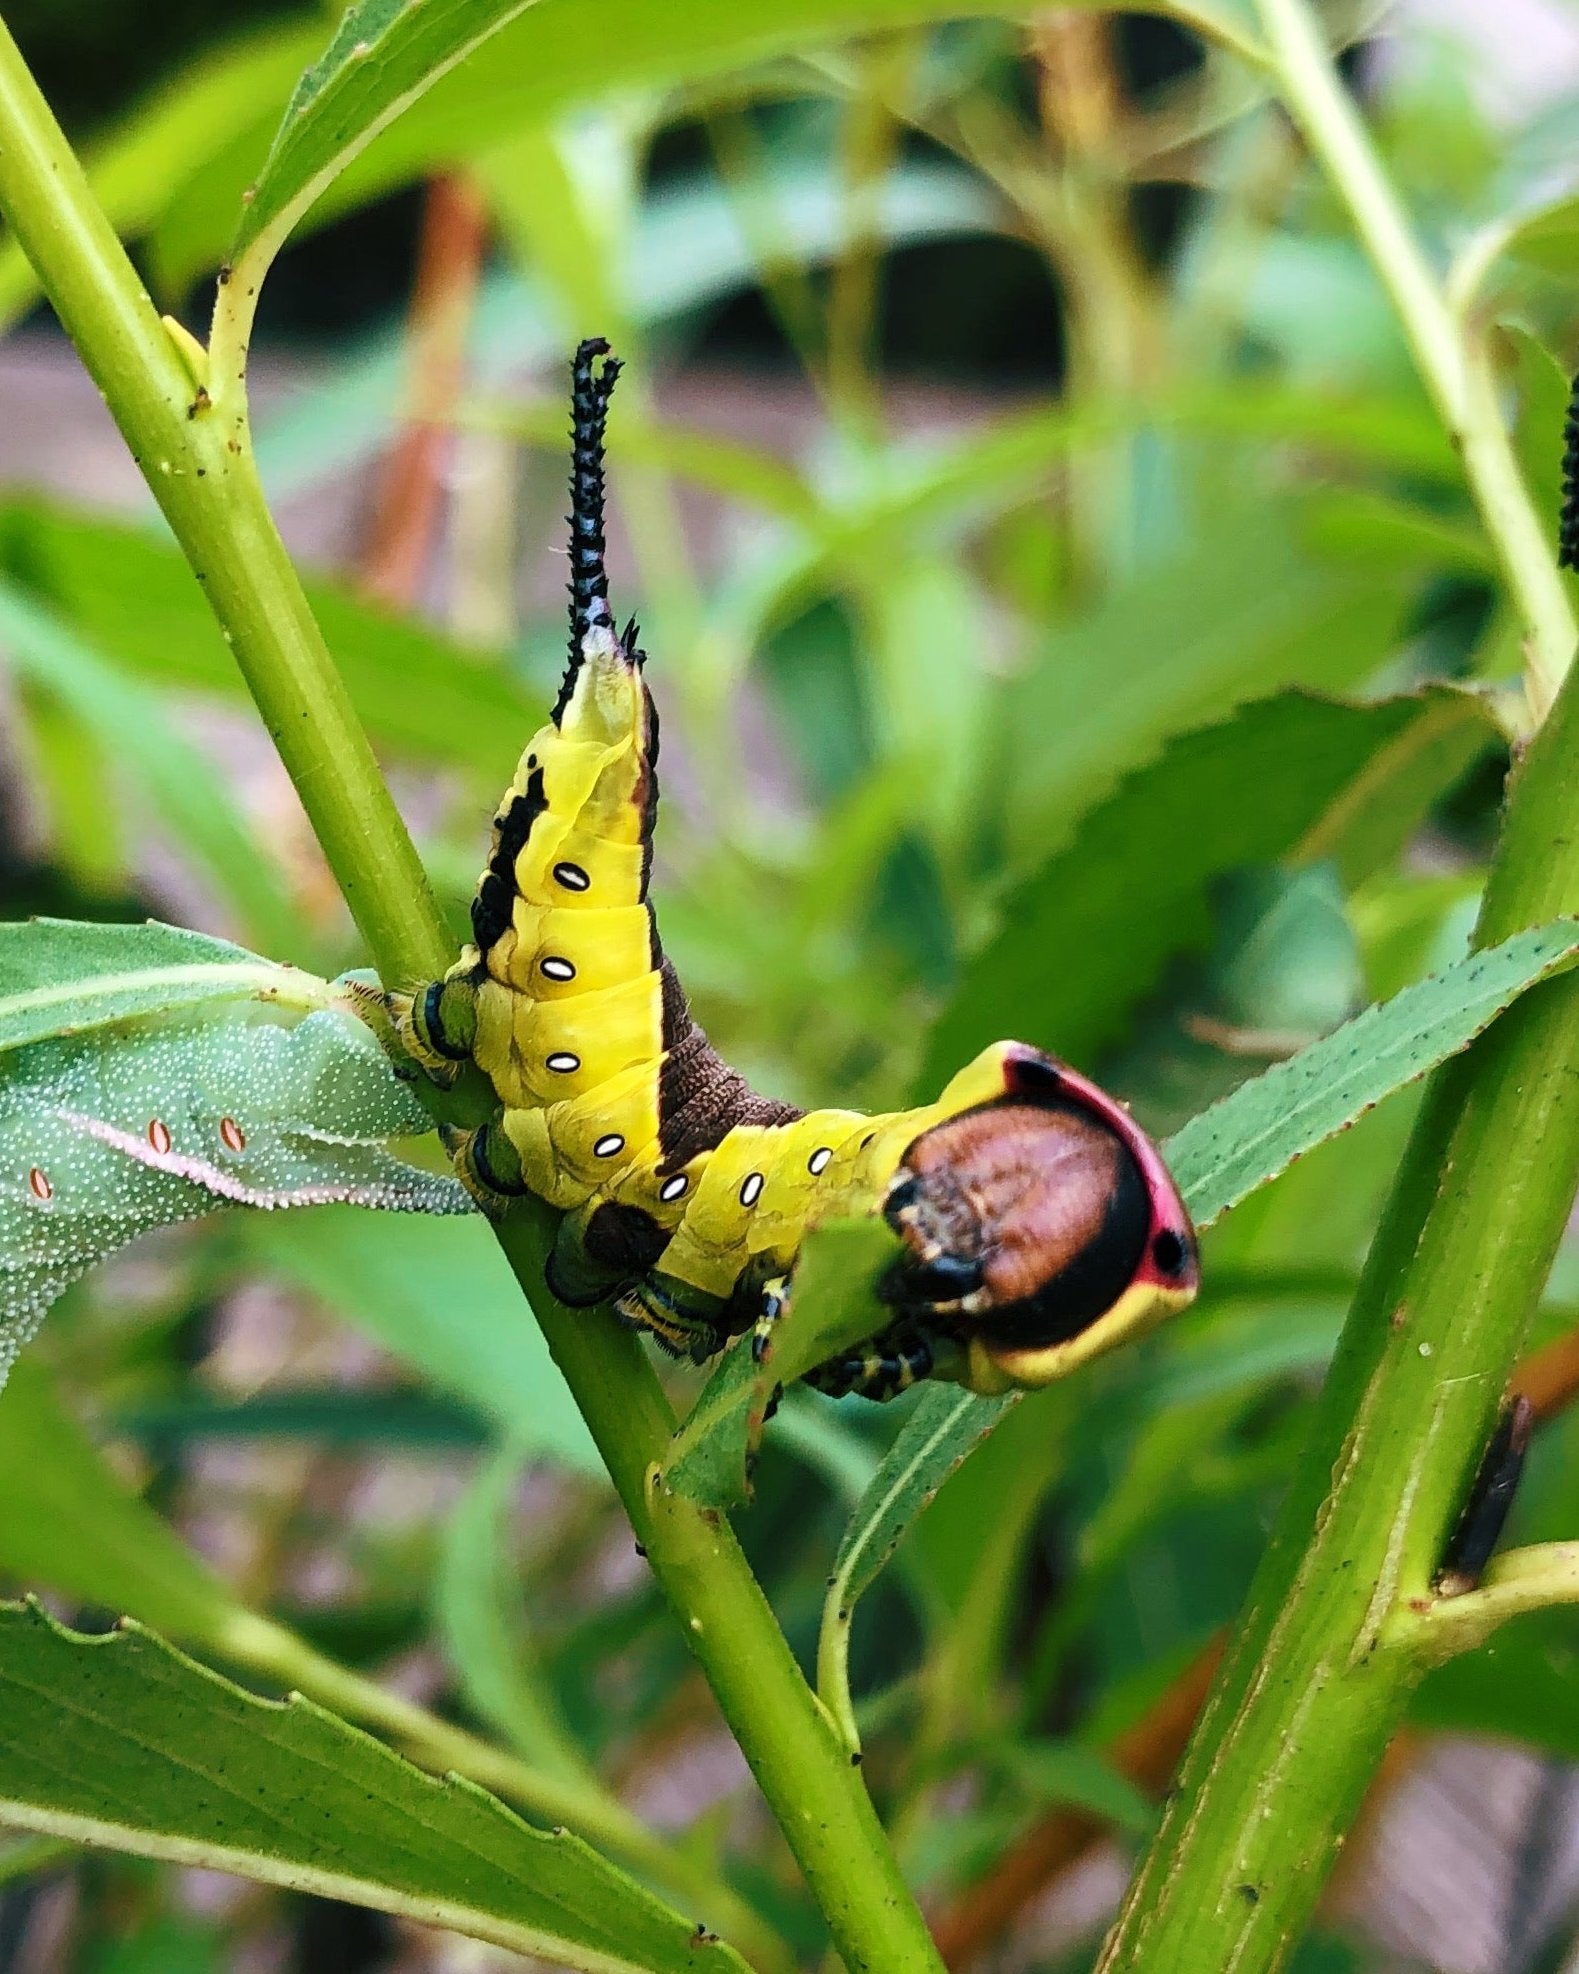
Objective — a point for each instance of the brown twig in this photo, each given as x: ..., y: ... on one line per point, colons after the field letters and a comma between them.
x: 1148, y: 1752
x: 1549, y: 1378
x: 408, y: 502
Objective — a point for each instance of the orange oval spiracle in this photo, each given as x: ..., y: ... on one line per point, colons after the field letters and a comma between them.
x: 159, y: 1135
x: 232, y: 1134
x: 38, y: 1184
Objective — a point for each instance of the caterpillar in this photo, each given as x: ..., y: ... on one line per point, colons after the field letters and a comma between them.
x: 1039, y: 1225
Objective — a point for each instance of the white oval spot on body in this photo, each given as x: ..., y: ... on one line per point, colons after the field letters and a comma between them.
x: 818, y: 1162
x: 606, y: 1147
x: 563, y: 1062
x: 751, y: 1190
x: 557, y: 969
x: 572, y: 877
x: 673, y: 1188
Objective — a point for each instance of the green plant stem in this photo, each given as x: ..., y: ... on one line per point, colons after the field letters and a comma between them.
x: 1521, y: 1580
x: 1324, y: 1658
x: 202, y: 475
x: 197, y: 460
x: 1452, y: 367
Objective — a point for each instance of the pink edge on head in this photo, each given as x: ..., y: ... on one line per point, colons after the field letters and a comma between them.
x: 1029, y: 1073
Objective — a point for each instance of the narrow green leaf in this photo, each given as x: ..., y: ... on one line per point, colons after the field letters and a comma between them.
x: 163, y: 767
x: 71, y: 1525
x: 1250, y: 1137
x: 1066, y: 1772
x: 1244, y: 610
x: 946, y: 1424
x: 387, y: 53
x: 332, y: 1416
x: 383, y: 55
x: 1539, y: 234
x: 482, y: 1619
x: 415, y: 691
x: 1218, y: 1158
x: 833, y: 1307
x: 63, y: 977
x: 439, y: 1294
x: 177, y: 132
x: 123, y: 1742
x: 1130, y: 887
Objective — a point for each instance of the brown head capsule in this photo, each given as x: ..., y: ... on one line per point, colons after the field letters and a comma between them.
x: 1042, y: 1228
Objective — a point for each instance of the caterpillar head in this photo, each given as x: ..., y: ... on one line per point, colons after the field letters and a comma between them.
x: 1040, y: 1223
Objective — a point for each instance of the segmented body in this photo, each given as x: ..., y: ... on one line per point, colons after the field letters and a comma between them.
x: 686, y: 1195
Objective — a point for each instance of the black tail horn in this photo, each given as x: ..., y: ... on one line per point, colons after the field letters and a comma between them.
x: 1568, y: 521
x: 589, y: 583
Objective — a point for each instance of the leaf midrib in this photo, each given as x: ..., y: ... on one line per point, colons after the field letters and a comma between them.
x: 264, y: 980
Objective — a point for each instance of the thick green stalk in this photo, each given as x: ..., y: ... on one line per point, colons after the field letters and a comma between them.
x: 193, y: 448
x: 1321, y: 1667
x: 1456, y: 376
x: 202, y: 476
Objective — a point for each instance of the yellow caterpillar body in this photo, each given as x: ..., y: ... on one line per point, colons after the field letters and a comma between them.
x: 1040, y: 1224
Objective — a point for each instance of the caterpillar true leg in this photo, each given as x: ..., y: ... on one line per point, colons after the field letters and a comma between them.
x: 680, y: 1331
x: 888, y: 1365
x: 775, y: 1306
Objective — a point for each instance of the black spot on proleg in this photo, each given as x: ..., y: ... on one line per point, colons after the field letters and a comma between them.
x: 623, y: 1239
x: 432, y: 1023
x: 482, y: 1165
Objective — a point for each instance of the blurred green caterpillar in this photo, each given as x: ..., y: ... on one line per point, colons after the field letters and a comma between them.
x: 1040, y: 1225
